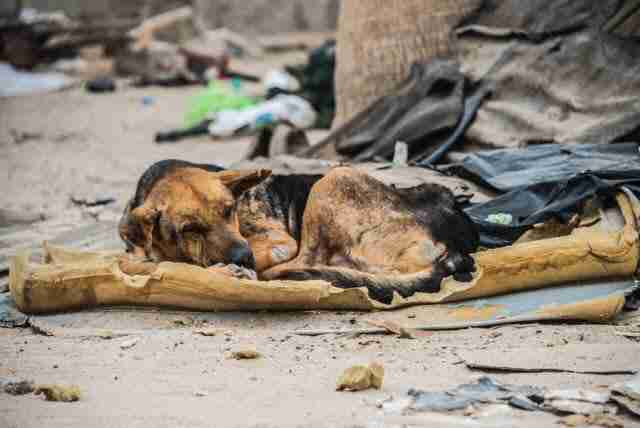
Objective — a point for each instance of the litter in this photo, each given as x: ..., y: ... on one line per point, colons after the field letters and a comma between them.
x: 278, y: 79
x: 215, y: 98
x: 15, y: 83
x: 486, y: 398
x: 500, y: 218
x: 282, y: 108
x: 630, y: 388
x: 627, y: 395
x: 10, y: 316
x: 316, y: 81
x: 484, y: 391
x: 127, y: 344
x: 101, y: 85
x: 573, y: 358
x: 400, y: 154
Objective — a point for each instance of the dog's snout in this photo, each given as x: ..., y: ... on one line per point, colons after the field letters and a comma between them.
x: 242, y: 255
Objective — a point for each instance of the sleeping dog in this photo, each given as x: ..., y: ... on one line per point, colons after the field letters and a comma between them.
x: 345, y: 227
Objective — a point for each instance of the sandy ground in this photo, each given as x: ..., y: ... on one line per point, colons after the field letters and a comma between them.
x: 98, y: 145
x: 92, y: 145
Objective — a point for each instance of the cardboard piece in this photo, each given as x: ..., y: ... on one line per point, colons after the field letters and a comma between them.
x: 73, y: 280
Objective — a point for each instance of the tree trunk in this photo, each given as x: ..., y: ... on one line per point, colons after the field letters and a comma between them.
x: 378, y: 40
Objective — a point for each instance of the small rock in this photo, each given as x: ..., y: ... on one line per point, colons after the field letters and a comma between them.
x: 245, y: 354
x: 105, y: 334
x: 201, y: 393
x: 59, y: 392
x: 183, y: 322
x: 605, y: 421
x: 207, y: 332
x: 21, y: 387
x: 358, y: 378
x: 129, y: 343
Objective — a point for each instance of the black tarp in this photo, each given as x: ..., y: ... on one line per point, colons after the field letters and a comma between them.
x: 507, y: 169
x: 427, y: 105
x: 540, y: 202
x: 545, y: 182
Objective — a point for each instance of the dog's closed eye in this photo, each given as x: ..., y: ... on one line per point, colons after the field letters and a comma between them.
x: 193, y: 228
x: 227, y: 212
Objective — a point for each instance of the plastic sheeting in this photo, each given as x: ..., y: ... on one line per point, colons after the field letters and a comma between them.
x: 14, y: 83
x: 545, y: 182
x: 508, y: 169
x: 555, y: 77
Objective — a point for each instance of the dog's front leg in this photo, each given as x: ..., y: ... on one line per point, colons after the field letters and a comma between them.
x: 272, y: 248
x: 234, y: 271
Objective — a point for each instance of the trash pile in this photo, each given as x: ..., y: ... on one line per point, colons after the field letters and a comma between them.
x: 521, y: 76
x: 486, y: 397
x: 44, y: 52
x: 300, y: 97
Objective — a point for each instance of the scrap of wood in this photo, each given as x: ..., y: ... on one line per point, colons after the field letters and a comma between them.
x: 627, y: 403
x: 522, y: 319
x: 143, y: 34
x: 572, y: 358
x: 393, y: 327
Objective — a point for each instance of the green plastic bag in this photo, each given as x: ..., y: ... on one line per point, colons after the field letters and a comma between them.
x: 217, y: 97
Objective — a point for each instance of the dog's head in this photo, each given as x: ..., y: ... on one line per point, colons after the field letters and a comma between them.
x: 190, y: 216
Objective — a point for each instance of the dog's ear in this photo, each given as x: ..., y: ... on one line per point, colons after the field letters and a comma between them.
x: 136, y: 226
x: 241, y: 181
x: 129, y: 229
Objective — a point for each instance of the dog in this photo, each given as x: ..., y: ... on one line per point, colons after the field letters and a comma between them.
x: 345, y: 227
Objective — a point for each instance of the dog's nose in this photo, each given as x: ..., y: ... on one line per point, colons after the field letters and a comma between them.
x: 242, y: 255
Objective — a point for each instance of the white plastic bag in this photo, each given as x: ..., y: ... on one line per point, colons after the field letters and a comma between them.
x: 283, y: 108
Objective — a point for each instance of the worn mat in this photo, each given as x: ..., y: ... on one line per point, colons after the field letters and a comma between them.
x: 71, y: 280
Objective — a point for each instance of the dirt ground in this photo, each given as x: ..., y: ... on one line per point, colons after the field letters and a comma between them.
x: 98, y: 145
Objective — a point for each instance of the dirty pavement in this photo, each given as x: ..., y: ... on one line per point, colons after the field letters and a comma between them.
x: 545, y: 332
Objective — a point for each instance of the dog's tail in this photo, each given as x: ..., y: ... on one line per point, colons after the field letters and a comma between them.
x: 382, y: 286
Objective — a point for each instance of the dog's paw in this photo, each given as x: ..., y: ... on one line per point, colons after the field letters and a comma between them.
x: 234, y: 271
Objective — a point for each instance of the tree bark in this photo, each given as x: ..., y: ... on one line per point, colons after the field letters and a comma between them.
x: 378, y: 40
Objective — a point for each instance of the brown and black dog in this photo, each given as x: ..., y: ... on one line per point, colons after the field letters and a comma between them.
x: 344, y: 227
